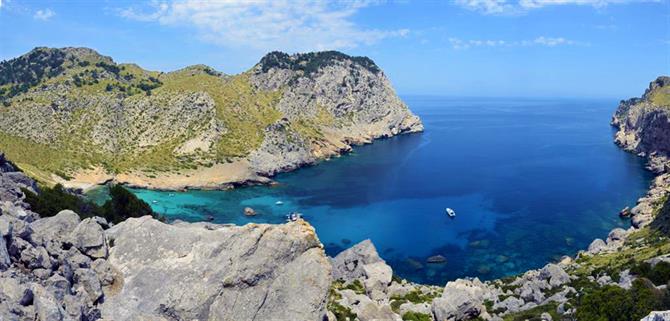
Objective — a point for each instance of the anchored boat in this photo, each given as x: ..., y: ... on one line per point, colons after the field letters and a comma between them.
x: 450, y: 212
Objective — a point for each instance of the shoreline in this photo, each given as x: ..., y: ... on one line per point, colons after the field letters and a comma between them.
x: 219, y: 177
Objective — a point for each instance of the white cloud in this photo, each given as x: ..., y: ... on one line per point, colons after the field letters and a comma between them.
x: 299, y: 25
x: 0, y: 4
x: 521, y: 6
x: 461, y: 44
x: 44, y: 15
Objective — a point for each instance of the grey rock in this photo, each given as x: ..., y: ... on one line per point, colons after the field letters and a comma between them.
x: 59, y: 286
x: 655, y: 260
x: 46, y: 306
x: 254, y: 271
x: 5, y: 260
x: 348, y: 265
x: 372, y: 311
x: 616, y: 235
x: 545, y: 316
x: 657, y: 316
x: 626, y: 279
x: 5, y: 226
x: 86, y: 281
x: 378, y: 276
x: 511, y: 304
x: 89, y: 238
x: 54, y: 229
x: 36, y: 258
x: 461, y: 300
x: 597, y: 246
x: 423, y: 307
x: 104, y: 271
x: 554, y: 274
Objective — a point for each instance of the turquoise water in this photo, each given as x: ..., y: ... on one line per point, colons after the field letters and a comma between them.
x: 530, y: 180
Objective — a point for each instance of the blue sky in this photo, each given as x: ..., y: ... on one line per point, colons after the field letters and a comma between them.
x: 524, y: 48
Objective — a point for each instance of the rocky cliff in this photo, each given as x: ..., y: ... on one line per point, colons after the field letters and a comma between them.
x: 644, y: 124
x: 73, y: 116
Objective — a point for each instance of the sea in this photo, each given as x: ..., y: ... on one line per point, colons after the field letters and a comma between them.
x: 530, y: 180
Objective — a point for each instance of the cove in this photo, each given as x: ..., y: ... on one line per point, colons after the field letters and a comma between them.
x: 530, y: 180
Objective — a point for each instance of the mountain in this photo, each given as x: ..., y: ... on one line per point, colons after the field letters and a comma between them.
x: 76, y: 117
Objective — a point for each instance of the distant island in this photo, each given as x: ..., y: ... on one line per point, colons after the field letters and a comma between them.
x: 75, y: 117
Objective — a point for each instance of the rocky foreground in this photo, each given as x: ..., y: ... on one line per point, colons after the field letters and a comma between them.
x: 73, y: 116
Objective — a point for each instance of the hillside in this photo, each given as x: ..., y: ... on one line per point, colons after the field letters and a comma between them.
x: 73, y: 116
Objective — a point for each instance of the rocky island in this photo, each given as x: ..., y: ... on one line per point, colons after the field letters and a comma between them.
x: 93, y: 121
x: 70, y: 266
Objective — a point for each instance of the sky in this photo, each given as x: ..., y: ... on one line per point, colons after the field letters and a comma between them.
x: 482, y: 48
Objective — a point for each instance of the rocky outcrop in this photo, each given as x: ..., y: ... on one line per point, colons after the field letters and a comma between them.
x: 644, y: 126
x: 252, y: 272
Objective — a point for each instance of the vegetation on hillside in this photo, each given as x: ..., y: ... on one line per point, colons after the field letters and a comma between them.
x: 309, y: 63
x: 122, y: 205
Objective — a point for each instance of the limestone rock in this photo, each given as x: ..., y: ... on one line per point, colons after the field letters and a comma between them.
x: 461, y: 300
x: 657, y: 316
x: 554, y: 274
x: 89, y: 238
x: 597, y: 246
x: 348, y: 265
x: 233, y: 273
x: 378, y: 276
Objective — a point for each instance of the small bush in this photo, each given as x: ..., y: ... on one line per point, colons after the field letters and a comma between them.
x: 416, y: 316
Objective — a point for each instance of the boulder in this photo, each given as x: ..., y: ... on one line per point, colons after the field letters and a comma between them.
x: 46, y: 306
x: 104, y: 271
x: 626, y: 279
x: 461, y: 300
x: 86, y: 281
x: 54, y: 229
x: 89, y: 238
x: 554, y: 274
x: 372, y: 311
x: 248, y: 211
x: 378, y: 276
x: 348, y: 265
x: 511, y: 304
x: 616, y: 235
x: 255, y: 271
x: 597, y: 246
x: 36, y: 258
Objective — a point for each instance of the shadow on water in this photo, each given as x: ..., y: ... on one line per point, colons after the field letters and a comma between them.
x: 530, y: 180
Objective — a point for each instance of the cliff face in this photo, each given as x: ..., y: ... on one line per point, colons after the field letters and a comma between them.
x: 644, y: 124
x: 73, y: 116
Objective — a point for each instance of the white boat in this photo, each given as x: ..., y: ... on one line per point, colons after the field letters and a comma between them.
x: 450, y: 212
x: 279, y: 203
x: 154, y: 202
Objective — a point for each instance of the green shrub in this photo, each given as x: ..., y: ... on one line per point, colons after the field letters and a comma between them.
x: 612, y: 303
x: 659, y: 274
x: 50, y: 201
x: 122, y: 204
x: 416, y: 316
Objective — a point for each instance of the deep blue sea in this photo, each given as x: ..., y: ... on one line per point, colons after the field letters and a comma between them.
x: 530, y: 180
